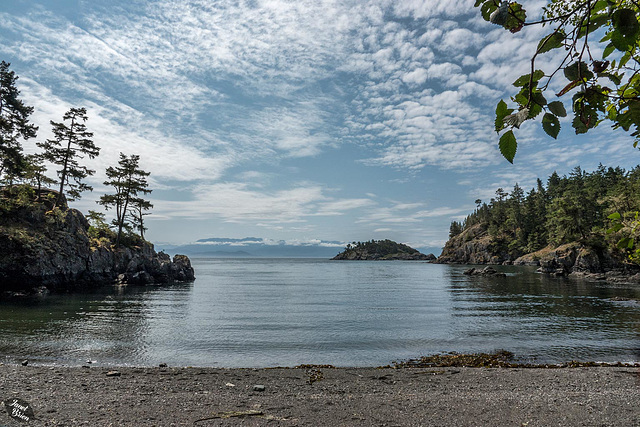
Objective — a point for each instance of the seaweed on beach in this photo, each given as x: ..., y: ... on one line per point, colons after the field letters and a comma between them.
x: 499, y: 359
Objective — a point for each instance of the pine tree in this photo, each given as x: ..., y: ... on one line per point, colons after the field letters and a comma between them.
x: 14, y: 126
x: 35, y: 173
x: 128, y: 181
x: 137, y: 212
x: 455, y: 228
x: 71, y: 143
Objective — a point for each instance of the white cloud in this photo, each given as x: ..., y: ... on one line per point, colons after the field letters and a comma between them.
x: 417, y: 76
x: 241, y: 203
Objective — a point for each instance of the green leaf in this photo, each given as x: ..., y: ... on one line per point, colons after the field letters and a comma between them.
x: 578, y: 70
x: 524, y: 80
x: 615, y: 215
x: 478, y: 3
x: 619, y: 41
x: 551, y: 125
x: 608, y: 50
x: 596, y: 21
x: 579, y: 126
x: 502, y: 111
x: 517, y: 17
x: 487, y: 9
x: 552, y: 41
x: 557, y: 108
x: 508, y: 145
x: 537, y: 75
x: 625, y: 58
x: 613, y: 77
x: 625, y: 29
x: 521, y: 99
x: 625, y: 22
x: 599, y: 6
x: 538, y: 98
x: 534, y: 110
x: 616, y: 227
x: 625, y: 243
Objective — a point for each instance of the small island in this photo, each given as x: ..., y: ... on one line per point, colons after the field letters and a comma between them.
x: 381, y: 250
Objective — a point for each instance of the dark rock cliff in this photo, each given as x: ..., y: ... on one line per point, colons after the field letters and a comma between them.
x: 475, y: 246
x: 472, y: 246
x: 51, y: 248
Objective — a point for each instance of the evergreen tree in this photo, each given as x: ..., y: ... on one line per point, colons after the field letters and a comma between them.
x: 455, y: 228
x: 128, y: 180
x: 14, y: 126
x: 35, y: 173
x: 71, y: 143
x: 137, y: 212
x: 572, y: 208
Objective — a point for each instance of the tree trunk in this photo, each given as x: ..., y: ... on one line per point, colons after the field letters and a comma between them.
x: 64, y: 168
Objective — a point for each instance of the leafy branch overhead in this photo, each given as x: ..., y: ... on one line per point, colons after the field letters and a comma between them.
x: 600, y: 66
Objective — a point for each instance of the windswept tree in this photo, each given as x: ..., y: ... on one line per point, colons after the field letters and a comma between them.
x: 137, y: 213
x: 128, y: 181
x: 14, y: 126
x: 71, y: 142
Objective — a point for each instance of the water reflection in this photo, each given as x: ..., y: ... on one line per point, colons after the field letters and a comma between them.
x: 286, y: 312
x: 551, y: 319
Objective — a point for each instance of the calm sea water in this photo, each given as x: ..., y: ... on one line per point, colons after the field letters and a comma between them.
x: 284, y: 312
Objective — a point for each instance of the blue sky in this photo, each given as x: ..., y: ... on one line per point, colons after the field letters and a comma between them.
x: 294, y: 120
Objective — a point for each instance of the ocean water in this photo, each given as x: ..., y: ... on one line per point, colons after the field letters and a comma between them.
x: 285, y: 312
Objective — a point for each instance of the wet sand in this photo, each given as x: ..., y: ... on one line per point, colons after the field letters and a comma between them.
x: 323, y: 396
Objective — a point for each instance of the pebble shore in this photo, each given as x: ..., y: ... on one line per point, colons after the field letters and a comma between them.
x: 324, y: 396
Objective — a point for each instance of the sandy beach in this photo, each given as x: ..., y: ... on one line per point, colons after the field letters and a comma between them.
x: 324, y: 396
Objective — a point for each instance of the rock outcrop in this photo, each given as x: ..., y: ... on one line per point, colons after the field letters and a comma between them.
x: 44, y: 247
x: 475, y: 246
x: 576, y: 260
x: 472, y: 246
x: 382, y: 250
x: 487, y: 271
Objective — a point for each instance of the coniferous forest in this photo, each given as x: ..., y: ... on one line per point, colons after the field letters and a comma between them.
x: 564, y: 209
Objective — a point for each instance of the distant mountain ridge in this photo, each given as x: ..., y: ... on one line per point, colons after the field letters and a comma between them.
x: 256, y: 247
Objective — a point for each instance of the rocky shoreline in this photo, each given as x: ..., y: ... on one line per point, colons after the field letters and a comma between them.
x: 323, y: 395
x: 475, y: 247
x: 50, y: 250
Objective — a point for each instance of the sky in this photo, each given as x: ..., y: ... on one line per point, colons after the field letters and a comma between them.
x: 295, y: 120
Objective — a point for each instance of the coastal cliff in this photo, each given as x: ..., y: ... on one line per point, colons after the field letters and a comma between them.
x: 582, y: 224
x: 475, y: 246
x: 52, y: 248
x: 381, y: 250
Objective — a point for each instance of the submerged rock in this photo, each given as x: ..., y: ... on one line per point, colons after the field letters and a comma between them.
x: 487, y: 271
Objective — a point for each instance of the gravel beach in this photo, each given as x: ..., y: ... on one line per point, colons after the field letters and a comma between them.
x: 324, y: 396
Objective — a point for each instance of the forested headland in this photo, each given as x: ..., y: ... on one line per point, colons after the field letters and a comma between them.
x: 46, y: 245
x: 582, y: 212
